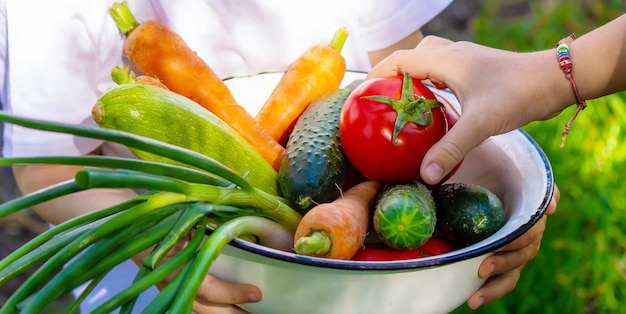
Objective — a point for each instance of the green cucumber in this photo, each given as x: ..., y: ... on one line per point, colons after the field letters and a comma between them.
x: 312, y: 170
x: 467, y: 213
x: 169, y: 117
x: 405, y: 215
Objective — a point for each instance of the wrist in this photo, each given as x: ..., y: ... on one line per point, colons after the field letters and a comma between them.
x: 555, y: 92
x: 566, y: 64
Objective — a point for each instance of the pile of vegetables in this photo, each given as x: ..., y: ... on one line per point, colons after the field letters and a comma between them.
x: 383, y: 129
x: 300, y: 176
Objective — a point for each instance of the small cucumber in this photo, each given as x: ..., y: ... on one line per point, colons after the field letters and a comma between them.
x: 169, y: 117
x: 313, y: 168
x: 467, y: 213
x: 405, y: 215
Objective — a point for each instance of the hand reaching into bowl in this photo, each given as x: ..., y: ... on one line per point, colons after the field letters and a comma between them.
x: 501, y: 90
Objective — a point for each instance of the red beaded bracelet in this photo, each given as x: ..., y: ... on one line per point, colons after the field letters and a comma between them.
x: 565, y: 62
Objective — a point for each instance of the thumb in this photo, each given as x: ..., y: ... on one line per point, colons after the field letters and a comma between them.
x: 451, y: 149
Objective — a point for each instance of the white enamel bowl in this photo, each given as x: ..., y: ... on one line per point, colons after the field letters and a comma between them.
x: 511, y: 165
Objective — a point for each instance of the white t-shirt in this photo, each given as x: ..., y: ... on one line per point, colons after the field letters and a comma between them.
x: 56, y: 56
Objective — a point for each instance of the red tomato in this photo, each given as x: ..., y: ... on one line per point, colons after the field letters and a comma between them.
x: 382, y: 252
x: 386, y: 137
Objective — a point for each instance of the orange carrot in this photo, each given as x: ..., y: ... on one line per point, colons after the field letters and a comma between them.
x: 315, y: 73
x: 337, y: 230
x: 156, y: 50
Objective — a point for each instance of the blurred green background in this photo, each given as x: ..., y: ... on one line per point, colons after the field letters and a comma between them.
x: 581, y: 266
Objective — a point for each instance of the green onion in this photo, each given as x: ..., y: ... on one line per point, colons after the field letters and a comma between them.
x: 42, y: 253
x: 173, y: 152
x: 169, y: 170
x: 37, y: 197
x: 156, y: 275
x: 127, y: 308
x: 113, y: 225
x: 180, y: 198
x: 67, y: 227
x: 103, y: 255
x: 268, y: 204
x: 266, y: 230
x: 164, y: 299
x: 194, y: 213
x: 75, y: 306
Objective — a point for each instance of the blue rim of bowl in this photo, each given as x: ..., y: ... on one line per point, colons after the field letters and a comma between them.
x: 437, y: 260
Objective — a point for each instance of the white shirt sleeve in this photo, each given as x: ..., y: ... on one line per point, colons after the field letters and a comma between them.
x: 56, y: 69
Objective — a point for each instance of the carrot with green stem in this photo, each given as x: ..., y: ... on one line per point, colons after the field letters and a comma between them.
x: 317, y: 72
x: 337, y: 230
x: 156, y: 50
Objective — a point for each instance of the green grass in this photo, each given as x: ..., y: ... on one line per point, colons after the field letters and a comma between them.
x: 581, y: 267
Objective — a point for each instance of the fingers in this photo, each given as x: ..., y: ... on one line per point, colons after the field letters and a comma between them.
x: 494, y: 289
x: 556, y: 197
x: 387, y: 67
x: 417, y: 61
x: 201, y: 308
x: 503, y: 262
x: 516, y: 253
x: 215, y: 290
x: 532, y: 236
x: 467, y: 133
x: 217, y: 296
x: 504, y: 267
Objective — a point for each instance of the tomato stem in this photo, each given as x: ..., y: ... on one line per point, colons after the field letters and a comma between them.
x: 317, y: 243
x: 409, y: 107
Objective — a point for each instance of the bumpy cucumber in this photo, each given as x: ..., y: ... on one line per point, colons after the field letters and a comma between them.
x: 467, y: 213
x: 312, y: 170
x: 405, y: 215
x: 169, y: 117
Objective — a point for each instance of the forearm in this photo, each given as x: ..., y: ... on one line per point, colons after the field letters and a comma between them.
x: 599, y: 60
x: 31, y: 178
x: 598, y: 65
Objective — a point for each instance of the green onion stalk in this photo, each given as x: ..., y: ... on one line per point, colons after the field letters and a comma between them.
x: 104, y: 255
x: 75, y: 306
x: 194, y: 214
x: 159, y: 168
x: 268, y: 232
x: 153, y: 276
x: 268, y: 205
x: 65, y: 229
x: 17, y: 264
x: 176, y: 153
x: 180, y: 200
x: 113, y: 225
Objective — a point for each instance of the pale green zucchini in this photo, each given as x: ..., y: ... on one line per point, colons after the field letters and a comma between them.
x: 169, y: 117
